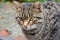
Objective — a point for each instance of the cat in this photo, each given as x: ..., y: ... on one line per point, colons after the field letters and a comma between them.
x: 37, y: 20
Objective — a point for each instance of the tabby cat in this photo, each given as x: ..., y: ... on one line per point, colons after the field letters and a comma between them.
x: 37, y: 20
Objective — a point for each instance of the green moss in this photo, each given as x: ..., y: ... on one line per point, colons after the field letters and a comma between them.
x: 2, y: 1
x: 57, y: 0
x: 10, y: 3
x: 34, y: 0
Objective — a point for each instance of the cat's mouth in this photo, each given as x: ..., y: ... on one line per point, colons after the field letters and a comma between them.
x: 31, y: 31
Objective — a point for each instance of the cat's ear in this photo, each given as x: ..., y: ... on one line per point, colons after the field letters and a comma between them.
x: 38, y: 5
x: 17, y: 4
x: 19, y: 7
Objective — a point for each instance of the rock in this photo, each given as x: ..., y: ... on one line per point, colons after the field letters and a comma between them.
x: 21, y: 37
x: 4, y: 33
x: 1, y: 17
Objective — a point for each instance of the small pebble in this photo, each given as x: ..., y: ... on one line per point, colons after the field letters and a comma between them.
x: 4, y: 33
x: 1, y: 17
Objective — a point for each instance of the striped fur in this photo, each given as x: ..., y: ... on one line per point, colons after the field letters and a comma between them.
x: 38, y: 30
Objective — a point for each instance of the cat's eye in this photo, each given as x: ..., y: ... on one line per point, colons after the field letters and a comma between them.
x: 31, y: 19
x: 20, y: 21
x: 19, y: 18
x: 38, y: 20
x: 38, y: 17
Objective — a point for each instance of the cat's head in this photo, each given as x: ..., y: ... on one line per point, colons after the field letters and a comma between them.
x: 29, y: 17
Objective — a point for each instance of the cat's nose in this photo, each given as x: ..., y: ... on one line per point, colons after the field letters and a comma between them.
x: 25, y: 27
x: 25, y: 24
